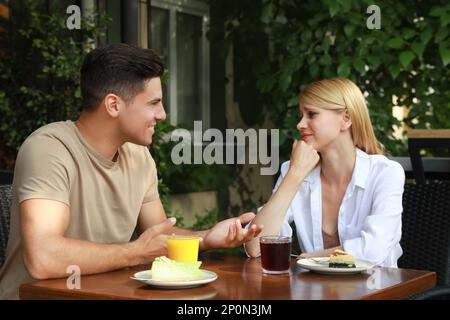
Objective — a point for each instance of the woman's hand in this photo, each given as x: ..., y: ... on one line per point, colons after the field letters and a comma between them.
x: 304, y: 158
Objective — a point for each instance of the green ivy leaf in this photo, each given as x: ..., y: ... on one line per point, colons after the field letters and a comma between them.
x: 445, y: 20
x: 436, y: 11
x: 359, y: 65
x: 346, y: 4
x: 293, y: 101
x: 285, y: 81
x: 408, y: 34
x: 426, y: 36
x: 362, y: 50
x: 349, y: 30
x: 314, y: 70
x: 328, y: 72
x: 311, y: 59
x: 441, y: 35
x: 444, y: 51
x: 325, y: 60
x: 374, y: 61
x: 306, y: 35
x: 394, y: 70
x: 267, y: 13
x: 343, y: 70
x: 395, y: 43
x: 333, y: 7
x: 418, y: 48
x: 406, y: 57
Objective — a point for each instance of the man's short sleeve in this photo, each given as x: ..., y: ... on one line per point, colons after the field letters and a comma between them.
x: 152, y: 190
x: 42, y: 170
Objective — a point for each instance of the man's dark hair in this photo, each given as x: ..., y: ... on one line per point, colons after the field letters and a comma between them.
x: 121, y: 69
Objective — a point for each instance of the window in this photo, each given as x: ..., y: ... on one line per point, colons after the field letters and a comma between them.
x: 178, y: 33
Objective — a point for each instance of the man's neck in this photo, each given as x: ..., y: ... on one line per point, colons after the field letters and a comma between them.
x: 100, y: 137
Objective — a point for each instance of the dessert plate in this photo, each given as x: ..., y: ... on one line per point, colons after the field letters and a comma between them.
x: 320, y: 265
x: 146, y: 277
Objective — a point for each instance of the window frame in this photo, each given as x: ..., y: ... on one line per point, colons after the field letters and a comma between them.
x: 198, y: 9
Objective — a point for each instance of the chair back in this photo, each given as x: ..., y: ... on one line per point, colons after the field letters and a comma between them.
x: 426, y: 229
x: 5, y: 205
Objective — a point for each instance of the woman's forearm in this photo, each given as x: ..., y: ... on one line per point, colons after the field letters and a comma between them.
x: 274, y: 211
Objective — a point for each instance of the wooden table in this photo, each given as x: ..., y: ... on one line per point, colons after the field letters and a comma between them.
x: 241, y: 278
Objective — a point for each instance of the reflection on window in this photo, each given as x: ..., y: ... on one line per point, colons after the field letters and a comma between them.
x: 189, y: 32
x: 160, y: 44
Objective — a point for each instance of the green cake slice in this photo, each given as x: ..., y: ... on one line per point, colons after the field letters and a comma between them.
x: 165, y: 269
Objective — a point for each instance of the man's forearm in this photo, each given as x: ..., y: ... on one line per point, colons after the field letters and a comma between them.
x: 58, y: 254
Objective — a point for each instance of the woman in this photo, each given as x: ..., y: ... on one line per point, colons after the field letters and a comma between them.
x: 338, y: 188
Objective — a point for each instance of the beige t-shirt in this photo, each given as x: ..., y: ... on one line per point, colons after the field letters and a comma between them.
x: 105, y: 197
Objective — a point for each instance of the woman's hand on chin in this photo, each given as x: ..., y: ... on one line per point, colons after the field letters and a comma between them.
x: 304, y: 158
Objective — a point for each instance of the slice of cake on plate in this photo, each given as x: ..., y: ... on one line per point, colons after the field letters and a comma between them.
x: 165, y: 269
x: 341, y: 259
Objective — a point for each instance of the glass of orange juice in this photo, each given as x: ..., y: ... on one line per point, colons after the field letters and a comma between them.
x: 183, y: 248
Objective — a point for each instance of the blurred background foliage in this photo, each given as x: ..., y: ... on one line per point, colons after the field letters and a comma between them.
x: 290, y: 44
x: 39, y: 84
x: 39, y: 72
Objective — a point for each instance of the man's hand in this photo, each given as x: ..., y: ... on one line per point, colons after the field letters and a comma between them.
x: 230, y: 234
x: 152, y: 242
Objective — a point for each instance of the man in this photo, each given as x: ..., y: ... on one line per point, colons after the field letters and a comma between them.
x: 81, y: 188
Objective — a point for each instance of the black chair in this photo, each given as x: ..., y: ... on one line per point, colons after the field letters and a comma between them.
x: 6, y: 177
x: 5, y: 205
x: 419, y: 139
x: 426, y: 234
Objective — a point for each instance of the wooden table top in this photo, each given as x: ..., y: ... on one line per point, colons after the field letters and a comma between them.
x: 240, y: 278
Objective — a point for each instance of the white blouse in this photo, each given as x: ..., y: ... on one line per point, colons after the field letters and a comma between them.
x: 370, y: 215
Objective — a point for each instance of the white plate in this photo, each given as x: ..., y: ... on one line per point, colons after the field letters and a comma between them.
x: 146, y: 277
x: 320, y: 265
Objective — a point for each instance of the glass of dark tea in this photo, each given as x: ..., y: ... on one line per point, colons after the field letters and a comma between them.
x: 275, y: 254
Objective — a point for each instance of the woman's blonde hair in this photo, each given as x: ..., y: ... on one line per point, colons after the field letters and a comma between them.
x: 341, y: 94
